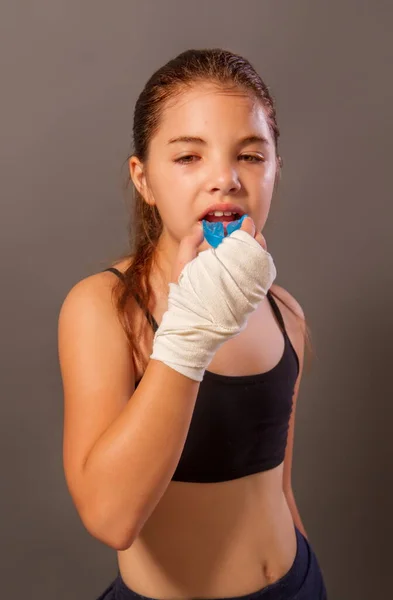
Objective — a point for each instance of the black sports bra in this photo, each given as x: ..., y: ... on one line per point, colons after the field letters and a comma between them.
x: 240, y: 423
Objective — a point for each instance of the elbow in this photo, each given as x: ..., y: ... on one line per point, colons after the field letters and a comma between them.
x: 108, y: 529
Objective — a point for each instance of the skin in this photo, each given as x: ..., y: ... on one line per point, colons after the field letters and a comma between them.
x: 221, y: 170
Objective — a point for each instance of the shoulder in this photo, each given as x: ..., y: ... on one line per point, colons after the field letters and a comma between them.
x: 90, y: 303
x: 96, y: 288
x: 90, y: 292
x: 89, y: 306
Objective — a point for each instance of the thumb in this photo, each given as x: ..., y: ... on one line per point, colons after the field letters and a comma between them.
x: 249, y: 226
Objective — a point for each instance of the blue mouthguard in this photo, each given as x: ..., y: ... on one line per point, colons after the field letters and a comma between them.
x: 214, y: 232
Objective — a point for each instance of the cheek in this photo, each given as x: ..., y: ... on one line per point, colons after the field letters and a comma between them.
x: 262, y: 210
x: 176, y: 217
x: 266, y: 187
x: 270, y: 175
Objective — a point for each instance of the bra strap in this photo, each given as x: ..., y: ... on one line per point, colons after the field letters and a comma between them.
x: 115, y: 271
x: 148, y: 315
x: 276, y: 310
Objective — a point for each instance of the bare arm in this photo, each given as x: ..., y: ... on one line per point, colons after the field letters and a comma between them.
x: 121, y: 447
x: 132, y: 463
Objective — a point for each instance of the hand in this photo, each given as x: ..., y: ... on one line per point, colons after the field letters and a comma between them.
x: 211, y: 295
x: 193, y: 243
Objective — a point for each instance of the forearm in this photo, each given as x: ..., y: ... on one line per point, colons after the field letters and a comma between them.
x: 132, y: 463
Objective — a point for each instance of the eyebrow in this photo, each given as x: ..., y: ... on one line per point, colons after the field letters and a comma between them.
x: 249, y: 139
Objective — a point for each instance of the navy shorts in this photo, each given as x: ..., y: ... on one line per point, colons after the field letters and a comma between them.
x: 303, y: 581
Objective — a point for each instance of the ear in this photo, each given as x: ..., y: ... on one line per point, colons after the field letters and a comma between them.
x: 138, y: 177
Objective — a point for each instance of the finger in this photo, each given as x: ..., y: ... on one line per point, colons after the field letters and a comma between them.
x: 249, y: 226
x: 261, y: 240
x: 187, y: 250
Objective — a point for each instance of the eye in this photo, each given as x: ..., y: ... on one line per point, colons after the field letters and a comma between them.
x: 255, y: 158
x: 183, y: 159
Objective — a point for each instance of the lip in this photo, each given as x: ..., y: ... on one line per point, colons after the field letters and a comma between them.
x: 224, y: 207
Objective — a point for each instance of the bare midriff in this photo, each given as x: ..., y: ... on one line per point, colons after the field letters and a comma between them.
x: 213, y: 540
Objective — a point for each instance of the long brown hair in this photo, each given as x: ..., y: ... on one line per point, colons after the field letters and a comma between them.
x: 217, y: 66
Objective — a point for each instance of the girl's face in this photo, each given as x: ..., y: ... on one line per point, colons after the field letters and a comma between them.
x: 183, y: 178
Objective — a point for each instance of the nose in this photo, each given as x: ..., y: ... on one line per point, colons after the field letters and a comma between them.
x: 224, y: 178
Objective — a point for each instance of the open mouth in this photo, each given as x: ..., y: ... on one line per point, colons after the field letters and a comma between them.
x: 216, y: 230
x: 225, y: 219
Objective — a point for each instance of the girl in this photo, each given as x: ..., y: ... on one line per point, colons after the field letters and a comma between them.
x: 186, y: 471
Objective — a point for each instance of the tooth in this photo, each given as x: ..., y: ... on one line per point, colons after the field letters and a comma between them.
x: 220, y: 213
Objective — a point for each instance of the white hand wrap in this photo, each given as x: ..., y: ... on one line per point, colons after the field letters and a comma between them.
x: 215, y: 294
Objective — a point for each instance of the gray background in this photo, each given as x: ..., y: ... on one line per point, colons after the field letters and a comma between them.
x: 70, y: 75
